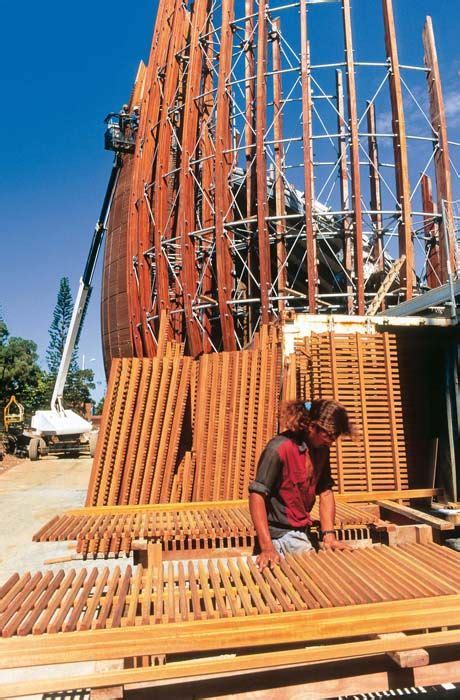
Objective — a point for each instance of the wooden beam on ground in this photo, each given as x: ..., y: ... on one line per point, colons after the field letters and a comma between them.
x: 390, y: 495
x: 229, y: 664
x: 416, y: 515
x: 357, y: 497
x: 407, y: 658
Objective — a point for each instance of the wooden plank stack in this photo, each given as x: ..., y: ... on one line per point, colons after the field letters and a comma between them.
x: 178, y: 429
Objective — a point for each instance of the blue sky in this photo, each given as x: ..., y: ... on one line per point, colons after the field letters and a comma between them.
x: 64, y: 69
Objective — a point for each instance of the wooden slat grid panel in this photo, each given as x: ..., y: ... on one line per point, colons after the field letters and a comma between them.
x: 362, y: 372
x: 97, y: 599
x: 236, y: 415
x: 202, y: 527
x: 141, y: 430
x: 225, y: 407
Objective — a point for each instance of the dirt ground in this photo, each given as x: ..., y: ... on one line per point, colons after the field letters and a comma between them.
x: 31, y: 493
x: 8, y: 462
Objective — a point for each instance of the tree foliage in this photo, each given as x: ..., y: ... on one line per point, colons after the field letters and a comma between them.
x: 62, y: 315
x: 20, y: 373
x: 99, y: 406
x: 79, y: 382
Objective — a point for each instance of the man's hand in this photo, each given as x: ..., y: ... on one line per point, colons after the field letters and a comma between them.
x: 331, y: 542
x: 268, y: 557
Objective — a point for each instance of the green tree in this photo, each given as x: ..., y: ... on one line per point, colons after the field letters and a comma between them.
x: 58, y: 330
x: 99, y: 406
x: 78, y: 389
x: 79, y: 382
x: 20, y: 373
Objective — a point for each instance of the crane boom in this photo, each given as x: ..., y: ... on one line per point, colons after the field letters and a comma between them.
x: 84, y: 289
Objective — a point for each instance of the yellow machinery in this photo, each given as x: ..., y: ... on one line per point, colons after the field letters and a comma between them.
x: 13, y: 414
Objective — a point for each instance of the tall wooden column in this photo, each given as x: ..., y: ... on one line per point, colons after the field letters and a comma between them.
x: 307, y: 132
x: 441, y: 158
x: 403, y: 191
x: 354, y: 158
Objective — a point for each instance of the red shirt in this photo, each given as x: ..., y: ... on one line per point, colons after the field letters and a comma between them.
x: 291, y: 474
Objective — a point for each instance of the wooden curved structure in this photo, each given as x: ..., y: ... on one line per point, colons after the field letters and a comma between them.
x: 256, y: 184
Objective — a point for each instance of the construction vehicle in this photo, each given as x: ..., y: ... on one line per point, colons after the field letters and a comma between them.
x: 60, y: 430
x: 14, y: 440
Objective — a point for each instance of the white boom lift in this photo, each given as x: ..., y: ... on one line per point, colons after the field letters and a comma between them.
x: 61, y: 430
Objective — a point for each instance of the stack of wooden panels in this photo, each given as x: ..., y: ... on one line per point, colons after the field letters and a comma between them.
x: 141, y: 430
x: 185, y: 593
x: 104, y: 531
x: 362, y: 372
x: 175, y: 429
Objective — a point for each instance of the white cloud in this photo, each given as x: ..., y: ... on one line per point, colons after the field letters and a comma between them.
x: 452, y: 105
x: 384, y: 122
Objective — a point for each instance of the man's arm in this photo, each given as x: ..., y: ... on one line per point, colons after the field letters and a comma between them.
x: 268, y: 555
x: 327, y: 519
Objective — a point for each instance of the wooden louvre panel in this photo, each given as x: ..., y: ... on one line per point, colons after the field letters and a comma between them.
x: 141, y: 430
x: 178, y: 429
x: 187, y: 592
x: 221, y: 525
x: 362, y: 372
x: 236, y: 414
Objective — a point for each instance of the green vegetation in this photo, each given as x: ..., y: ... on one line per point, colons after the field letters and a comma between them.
x: 19, y: 372
x: 80, y: 382
x: 21, y: 375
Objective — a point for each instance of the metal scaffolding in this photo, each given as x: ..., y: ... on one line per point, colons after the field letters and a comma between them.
x: 275, y: 170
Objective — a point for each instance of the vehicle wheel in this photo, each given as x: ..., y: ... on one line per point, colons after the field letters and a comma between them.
x: 34, y: 452
x: 92, y: 443
x: 43, y: 448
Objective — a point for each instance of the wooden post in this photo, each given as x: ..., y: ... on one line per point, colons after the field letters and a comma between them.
x: 208, y: 288
x: 441, y: 158
x: 375, y: 188
x: 433, y: 272
x: 354, y: 157
x: 250, y: 150
x: 261, y: 166
x: 187, y: 204
x: 403, y: 191
x: 223, y: 162
x: 280, y: 203
x: 312, y: 273
x: 344, y: 191
x: 160, y: 199
x: 138, y: 237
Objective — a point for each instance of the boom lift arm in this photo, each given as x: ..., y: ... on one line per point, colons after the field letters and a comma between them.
x: 84, y: 289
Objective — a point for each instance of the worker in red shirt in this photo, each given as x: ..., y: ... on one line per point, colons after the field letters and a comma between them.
x: 293, y: 469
